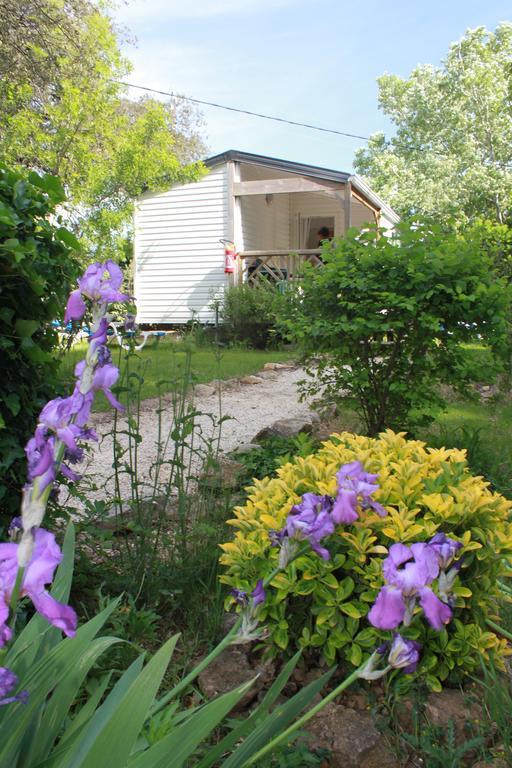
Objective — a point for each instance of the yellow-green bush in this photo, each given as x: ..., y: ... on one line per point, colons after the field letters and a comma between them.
x: 317, y: 604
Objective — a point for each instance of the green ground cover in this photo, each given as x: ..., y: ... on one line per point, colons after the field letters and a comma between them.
x: 164, y: 364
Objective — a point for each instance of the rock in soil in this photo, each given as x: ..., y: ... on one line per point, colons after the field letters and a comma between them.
x: 278, y: 366
x: 246, y: 448
x: 225, y: 474
x: 251, y: 380
x: 351, y: 737
x: 284, y: 428
x: 232, y: 668
x: 453, y: 705
x: 204, y: 390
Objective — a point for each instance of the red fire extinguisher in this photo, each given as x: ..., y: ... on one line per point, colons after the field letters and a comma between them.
x: 230, y: 255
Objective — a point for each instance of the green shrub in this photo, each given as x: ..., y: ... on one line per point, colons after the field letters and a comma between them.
x: 37, y: 267
x: 390, y: 317
x: 322, y: 605
x: 248, y: 314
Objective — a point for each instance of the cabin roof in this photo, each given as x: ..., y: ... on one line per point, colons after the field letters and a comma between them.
x: 305, y: 170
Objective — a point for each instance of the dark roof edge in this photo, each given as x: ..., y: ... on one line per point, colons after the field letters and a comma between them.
x: 274, y: 162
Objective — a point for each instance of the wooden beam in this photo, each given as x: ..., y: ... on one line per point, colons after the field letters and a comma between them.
x: 282, y: 186
x: 365, y: 202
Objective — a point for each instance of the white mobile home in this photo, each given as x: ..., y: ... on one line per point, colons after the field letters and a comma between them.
x: 275, y: 212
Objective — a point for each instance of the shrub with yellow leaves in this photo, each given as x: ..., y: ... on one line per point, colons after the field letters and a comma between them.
x: 322, y: 605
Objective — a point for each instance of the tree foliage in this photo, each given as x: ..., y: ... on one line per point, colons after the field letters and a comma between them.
x: 63, y: 111
x: 38, y: 263
x: 451, y: 156
x: 390, y: 316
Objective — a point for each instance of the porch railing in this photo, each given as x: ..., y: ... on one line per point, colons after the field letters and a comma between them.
x: 275, y: 266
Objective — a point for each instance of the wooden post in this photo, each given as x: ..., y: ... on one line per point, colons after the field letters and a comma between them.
x: 348, y: 205
x: 237, y: 226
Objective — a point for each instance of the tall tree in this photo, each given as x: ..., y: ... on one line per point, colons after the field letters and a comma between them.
x: 451, y: 156
x: 63, y: 111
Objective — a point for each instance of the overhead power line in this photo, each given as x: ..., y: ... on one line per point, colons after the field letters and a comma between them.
x: 245, y: 111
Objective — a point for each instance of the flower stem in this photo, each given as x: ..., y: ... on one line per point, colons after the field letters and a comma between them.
x: 304, y: 719
x: 499, y: 629
x: 182, y: 685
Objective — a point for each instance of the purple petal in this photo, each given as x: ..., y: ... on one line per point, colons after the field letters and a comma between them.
x: 388, y: 610
x: 322, y: 551
x: 5, y: 631
x: 378, y: 508
x: 404, y: 654
x: 114, y: 402
x: 438, y: 613
x: 258, y: 594
x: 76, y: 307
x: 61, y: 616
x: 344, y: 509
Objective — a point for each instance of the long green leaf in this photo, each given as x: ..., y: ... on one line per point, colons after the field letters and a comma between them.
x: 114, y: 743
x: 86, y: 712
x: 40, y: 681
x: 276, y: 722
x: 62, y: 698
x: 94, y: 726
x: 247, y: 724
x: 177, y: 746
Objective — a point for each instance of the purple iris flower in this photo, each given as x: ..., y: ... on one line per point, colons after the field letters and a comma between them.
x: 311, y: 521
x: 41, y: 459
x: 9, y: 681
x: 129, y: 323
x: 56, y: 416
x: 404, y: 654
x: 239, y: 596
x: 354, y: 484
x: 101, y: 283
x: 103, y: 379
x: 75, y: 308
x: 408, y: 572
x: 39, y: 571
x: 258, y: 594
x: 446, y: 549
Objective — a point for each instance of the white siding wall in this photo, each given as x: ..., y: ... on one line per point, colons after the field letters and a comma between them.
x: 179, y: 261
x: 360, y: 214
x: 265, y: 225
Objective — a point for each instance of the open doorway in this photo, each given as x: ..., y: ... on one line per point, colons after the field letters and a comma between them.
x: 320, y: 228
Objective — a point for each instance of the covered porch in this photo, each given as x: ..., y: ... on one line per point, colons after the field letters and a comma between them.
x: 281, y: 216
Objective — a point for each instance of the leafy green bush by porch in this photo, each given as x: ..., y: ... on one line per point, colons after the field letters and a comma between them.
x: 389, y: 317
x: 248, y: 314
x: 37, y: 265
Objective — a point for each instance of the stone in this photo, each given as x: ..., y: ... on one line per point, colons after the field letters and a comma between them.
x: 246, y: 448
x: 225, y: 473
x: 251, y: 380
x: 452, y: 704
x: 232, y: 668
x: 284, y: 428
x: 268, y: 375
x: 278, y: 366
x: 204, y: 390
x: 351, y: 738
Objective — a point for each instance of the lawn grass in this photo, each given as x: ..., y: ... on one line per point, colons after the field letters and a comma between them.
x: 164, y: 363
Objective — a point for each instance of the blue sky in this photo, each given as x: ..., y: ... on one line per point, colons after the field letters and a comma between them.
x: 310, y: 61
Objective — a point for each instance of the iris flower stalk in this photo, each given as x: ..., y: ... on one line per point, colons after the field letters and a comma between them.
x: 62, y: 421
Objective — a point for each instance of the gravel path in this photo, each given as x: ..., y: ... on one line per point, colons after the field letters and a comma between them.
x: 249, y: 407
